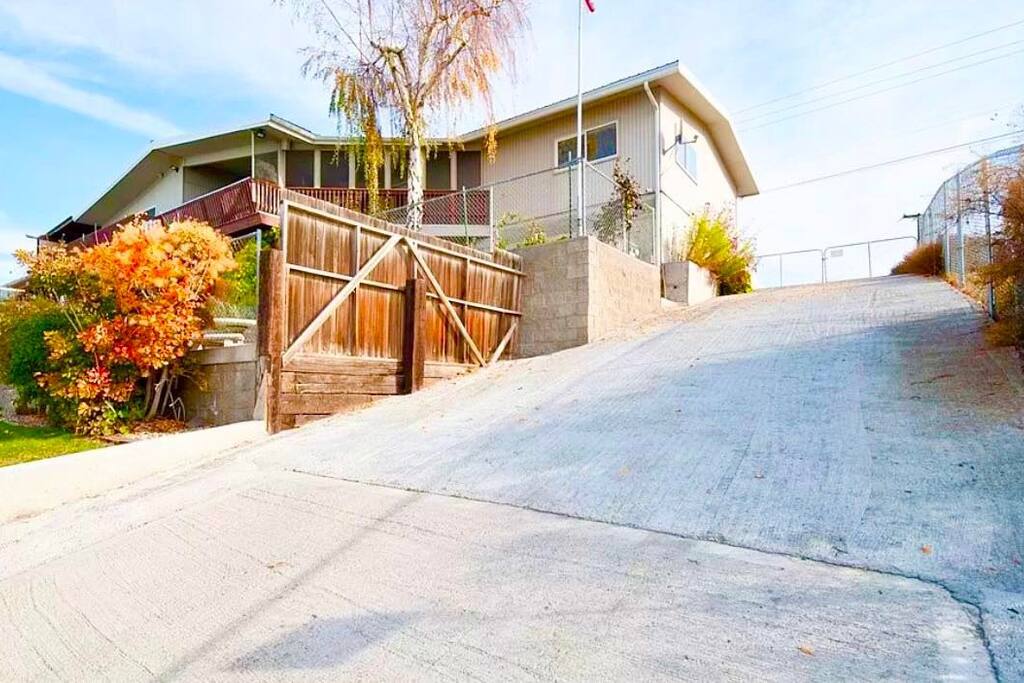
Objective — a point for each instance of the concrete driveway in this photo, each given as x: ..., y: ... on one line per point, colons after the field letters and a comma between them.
x: 810, y: 483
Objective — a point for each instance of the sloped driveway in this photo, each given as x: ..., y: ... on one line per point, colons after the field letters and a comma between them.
x: 862, y: 424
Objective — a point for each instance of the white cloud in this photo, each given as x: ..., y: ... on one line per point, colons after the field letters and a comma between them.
x: 30, y: 80
x: 219, y: 51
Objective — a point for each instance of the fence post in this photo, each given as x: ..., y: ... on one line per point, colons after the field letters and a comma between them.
x: 988, y: 239
x: 414, y: 348
x: 960, y: 233
x: 271, y: 333
x: 490, y: 219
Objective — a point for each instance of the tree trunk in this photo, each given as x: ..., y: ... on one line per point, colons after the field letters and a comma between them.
x: 414, y: 218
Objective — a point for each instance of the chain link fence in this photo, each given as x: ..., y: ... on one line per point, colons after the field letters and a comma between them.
x: 463, y: 216
x: 536, y: 208
x: 962, y: 216
x: 544, y: 206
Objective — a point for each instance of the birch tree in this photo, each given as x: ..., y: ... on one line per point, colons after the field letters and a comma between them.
x: 410, y: 64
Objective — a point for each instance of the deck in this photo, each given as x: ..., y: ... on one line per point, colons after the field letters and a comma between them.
x: 249, y: 203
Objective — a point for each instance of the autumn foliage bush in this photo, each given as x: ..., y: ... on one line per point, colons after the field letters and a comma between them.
x: 715, y: 244
x: 1006, y: 272
x: 925, y: 259
x: 132, y: 308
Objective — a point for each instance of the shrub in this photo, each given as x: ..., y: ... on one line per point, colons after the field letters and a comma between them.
x: 1006, y: 272
x: 618, y: 215
x: 716, y: 245
x: 132, y: 308
x: 536, y: 236
x: 23, y: 324
x: 925, y: 259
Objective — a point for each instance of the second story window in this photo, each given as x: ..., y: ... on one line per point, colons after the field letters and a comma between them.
x: 686, y: 150
x: 600, y: 143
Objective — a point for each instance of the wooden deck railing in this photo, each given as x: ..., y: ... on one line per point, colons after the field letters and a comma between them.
x: 250, y: 202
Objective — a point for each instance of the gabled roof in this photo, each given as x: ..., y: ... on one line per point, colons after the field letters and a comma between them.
x: 683, y: 85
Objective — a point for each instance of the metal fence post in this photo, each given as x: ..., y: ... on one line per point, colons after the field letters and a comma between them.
x: 988, y: 239
x: 960, y: 234
x: 259, y: 250
x: 490, y: 219
x: 869, y: 260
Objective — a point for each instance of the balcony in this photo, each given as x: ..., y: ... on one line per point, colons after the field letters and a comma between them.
x: 249, y: 203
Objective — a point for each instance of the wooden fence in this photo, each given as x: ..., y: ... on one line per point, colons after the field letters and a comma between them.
x: 356, y: 308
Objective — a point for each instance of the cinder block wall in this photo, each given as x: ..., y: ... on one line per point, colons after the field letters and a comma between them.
x: 579, y: 290
x: 226, y: 392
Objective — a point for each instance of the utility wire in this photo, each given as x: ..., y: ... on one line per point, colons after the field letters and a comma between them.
x: 882, y: 66
x: 892, y: 162
x: 881, y: 91
x: 879, y: 81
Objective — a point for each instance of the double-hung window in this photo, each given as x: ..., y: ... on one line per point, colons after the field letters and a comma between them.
x: 600, y: 143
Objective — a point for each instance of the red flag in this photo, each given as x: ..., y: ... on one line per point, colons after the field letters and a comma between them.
x: 590, y: 4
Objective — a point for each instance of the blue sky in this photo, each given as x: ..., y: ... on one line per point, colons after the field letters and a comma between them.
x: 84, y: 87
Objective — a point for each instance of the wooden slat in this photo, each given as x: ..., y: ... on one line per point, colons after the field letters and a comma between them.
x: 341, y: 384
x: 342, y: 365
x: 454, y: 317
x: 340, y: 297
x: 322, y: 404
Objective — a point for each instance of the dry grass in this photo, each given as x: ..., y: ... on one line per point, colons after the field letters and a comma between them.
x: 926, y: 259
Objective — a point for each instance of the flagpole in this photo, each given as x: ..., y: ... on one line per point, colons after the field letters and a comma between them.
x: 581, y: 210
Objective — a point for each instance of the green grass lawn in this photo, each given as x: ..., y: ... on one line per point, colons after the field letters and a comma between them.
x: 22, y: 444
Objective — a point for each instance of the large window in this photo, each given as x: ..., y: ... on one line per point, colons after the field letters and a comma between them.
x: 333, y: 168
x: 600, y: 143
x: 298, y: 168
x: 439, y: 171
x: 686, y: 151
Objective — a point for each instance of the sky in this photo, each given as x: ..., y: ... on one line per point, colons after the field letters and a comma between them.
x: 85, y: 87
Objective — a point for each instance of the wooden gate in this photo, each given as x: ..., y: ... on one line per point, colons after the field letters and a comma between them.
x: 355, y: 309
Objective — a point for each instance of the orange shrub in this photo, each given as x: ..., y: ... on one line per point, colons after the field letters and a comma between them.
x: 925, y: 259
x: 135, y: 306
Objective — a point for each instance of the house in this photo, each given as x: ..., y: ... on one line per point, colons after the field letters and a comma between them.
x: 661, y: 125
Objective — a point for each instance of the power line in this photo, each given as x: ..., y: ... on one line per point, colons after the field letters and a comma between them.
x: 882, y: 66
x: 880, y: 81
x: 879, y: 92
x: 891, y: 162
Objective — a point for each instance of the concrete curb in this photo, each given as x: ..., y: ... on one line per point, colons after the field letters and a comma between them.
x: 33, y: 487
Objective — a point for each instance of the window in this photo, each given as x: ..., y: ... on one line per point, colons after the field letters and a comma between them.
x: 333, y: 168
x: 686, y: 151
x: 468, y: 171
x: 600, y: 143
x: 439, y: 171
x: 298, y: 168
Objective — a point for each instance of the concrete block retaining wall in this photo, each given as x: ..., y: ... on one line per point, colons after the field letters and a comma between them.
x: 579, y: 290
x: 226, y: 388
